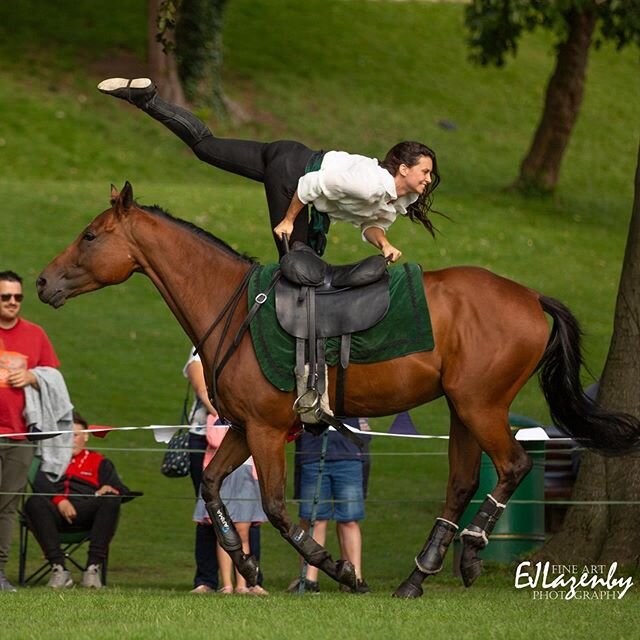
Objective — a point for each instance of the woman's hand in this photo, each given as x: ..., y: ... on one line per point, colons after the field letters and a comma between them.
x: 391, y: 253
x: 285, y: 228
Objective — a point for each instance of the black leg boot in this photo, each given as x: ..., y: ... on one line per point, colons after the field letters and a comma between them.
x: 476, y: 537
x: 142, y: 93
x: 429, y: 560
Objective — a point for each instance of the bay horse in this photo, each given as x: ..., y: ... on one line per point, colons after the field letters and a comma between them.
x: 491, y: 334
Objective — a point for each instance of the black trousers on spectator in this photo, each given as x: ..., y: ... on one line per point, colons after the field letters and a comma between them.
x: 97, y: 514
x: 206, y: 558
x: 278, y: 165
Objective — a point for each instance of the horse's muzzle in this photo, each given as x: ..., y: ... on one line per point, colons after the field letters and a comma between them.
x: 50, y: 294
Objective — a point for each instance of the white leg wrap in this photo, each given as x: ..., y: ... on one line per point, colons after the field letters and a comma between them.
x: 498, y: 504
x: 475, y: 534
x: 453, y: 524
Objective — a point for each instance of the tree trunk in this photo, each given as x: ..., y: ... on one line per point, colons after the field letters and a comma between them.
x: 611, y: 533
x: 162, y: 66
x: 541, y: 166
x: 199, y: 48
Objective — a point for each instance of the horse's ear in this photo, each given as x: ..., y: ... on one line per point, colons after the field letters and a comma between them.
x: 114, y: 195
x: 126, y: 195
x: 121, y: 201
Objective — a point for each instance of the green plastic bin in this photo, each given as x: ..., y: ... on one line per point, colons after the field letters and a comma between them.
x: 520, y: 529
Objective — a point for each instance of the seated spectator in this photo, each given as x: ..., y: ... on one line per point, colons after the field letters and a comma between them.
x: 342, y: 492
x: 87, y: 496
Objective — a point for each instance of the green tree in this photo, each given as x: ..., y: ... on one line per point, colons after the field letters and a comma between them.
x: 495, y: 27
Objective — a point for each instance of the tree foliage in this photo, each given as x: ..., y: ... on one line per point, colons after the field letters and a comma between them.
x: 167, y: 16
x: 496, y: 26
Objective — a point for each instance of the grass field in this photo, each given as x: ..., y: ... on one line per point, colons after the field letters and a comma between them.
x: 356, y: 75
x: 494, y: 611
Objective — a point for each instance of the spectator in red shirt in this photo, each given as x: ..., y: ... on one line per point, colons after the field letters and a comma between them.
x: 23, y: 346
x: 87, y: 496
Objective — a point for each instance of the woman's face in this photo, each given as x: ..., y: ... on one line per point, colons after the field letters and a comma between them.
x: 417, y: 178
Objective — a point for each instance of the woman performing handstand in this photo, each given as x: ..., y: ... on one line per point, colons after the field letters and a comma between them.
x: 337, y: 185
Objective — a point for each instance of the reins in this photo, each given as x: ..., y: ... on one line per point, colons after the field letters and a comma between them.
x: 229, y: 311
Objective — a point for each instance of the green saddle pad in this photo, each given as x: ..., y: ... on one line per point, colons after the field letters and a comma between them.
x: 405, y: 329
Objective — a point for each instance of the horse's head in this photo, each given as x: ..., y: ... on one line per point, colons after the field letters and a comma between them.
x: 100, y: 256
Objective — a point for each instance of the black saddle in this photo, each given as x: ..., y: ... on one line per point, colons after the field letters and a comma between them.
x: 315, y: 301
x: 348, y: 298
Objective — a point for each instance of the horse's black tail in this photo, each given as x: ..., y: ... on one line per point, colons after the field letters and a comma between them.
x: 572, y: 411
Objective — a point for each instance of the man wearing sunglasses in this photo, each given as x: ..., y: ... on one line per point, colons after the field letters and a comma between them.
x: 23, y: 346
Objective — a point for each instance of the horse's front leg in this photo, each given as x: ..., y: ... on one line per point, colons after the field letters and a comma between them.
x: 232, y: 453
x: 464, y: 466
x: 268, y: 449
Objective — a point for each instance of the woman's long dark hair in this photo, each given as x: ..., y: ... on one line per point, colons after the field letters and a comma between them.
x: 409, y: 153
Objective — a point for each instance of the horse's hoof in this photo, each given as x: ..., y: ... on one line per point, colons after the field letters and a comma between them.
x: 346, y: 574
x: 250, y: 570
x: 408, y: 590
x: 470, y: 571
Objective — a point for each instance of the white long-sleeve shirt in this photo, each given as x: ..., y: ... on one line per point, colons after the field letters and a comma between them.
x: 354, y: 189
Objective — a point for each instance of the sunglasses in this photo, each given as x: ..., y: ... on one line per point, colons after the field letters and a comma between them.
x: 5, y: 297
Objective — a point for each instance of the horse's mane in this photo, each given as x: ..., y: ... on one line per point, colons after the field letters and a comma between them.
x: 201, y: 233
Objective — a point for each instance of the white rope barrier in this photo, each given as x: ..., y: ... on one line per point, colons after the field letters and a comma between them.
x: 163, y: 433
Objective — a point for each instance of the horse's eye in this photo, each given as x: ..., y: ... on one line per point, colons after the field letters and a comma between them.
x: 89, y: 236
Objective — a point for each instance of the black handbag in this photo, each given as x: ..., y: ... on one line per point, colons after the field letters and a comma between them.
x: 176, y: 461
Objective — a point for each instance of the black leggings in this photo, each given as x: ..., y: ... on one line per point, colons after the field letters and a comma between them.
x: 278, y: 165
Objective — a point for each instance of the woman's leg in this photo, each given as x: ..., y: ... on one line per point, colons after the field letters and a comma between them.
x: 279, y: 165
x: 243, y: 157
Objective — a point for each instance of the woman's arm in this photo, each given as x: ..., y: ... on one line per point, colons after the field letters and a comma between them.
x: 286, y: 226
x: 377, y: 237
x: 195, y: 375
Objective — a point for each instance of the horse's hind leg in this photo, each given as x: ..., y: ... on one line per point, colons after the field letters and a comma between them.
x: 267, y: 446
x: 464, y: 465
x: 512, y: 464
x: 232, y: 453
